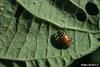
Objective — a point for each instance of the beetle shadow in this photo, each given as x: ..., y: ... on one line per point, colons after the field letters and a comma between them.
x: 56, y: 44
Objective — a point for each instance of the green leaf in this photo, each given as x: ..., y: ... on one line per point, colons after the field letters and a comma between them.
x: 59, y: 12
x: 81, y: 4
x: 11, y: 63
x: 28, y: 37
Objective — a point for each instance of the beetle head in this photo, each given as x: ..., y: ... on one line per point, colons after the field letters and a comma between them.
x: 60, y: 33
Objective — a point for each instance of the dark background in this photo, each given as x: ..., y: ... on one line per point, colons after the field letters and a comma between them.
x: 92, y: 58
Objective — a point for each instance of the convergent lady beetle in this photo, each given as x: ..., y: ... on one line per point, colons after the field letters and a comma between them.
x: 63, y: 39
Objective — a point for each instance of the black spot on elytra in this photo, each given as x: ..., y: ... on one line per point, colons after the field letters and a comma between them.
x: 91, y: 8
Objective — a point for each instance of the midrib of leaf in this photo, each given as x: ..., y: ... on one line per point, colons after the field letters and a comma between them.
x: 27, y: 51
x: 81, y: 4
x: 40, y: 58
x: 57, y: 15
x: 34, y: 58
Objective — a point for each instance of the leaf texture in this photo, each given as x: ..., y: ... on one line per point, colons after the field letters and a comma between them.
x: 27, y: 37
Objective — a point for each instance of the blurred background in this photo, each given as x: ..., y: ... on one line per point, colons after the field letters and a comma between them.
x: 92, y: 58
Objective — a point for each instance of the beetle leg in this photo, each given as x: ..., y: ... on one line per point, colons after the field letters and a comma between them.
x: 57, y: 38
x: 70, y: 39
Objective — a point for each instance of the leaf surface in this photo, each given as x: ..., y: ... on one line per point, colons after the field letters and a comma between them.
x: 28, y: 37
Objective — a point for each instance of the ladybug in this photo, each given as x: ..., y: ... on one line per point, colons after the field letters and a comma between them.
x: 63, y: 39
